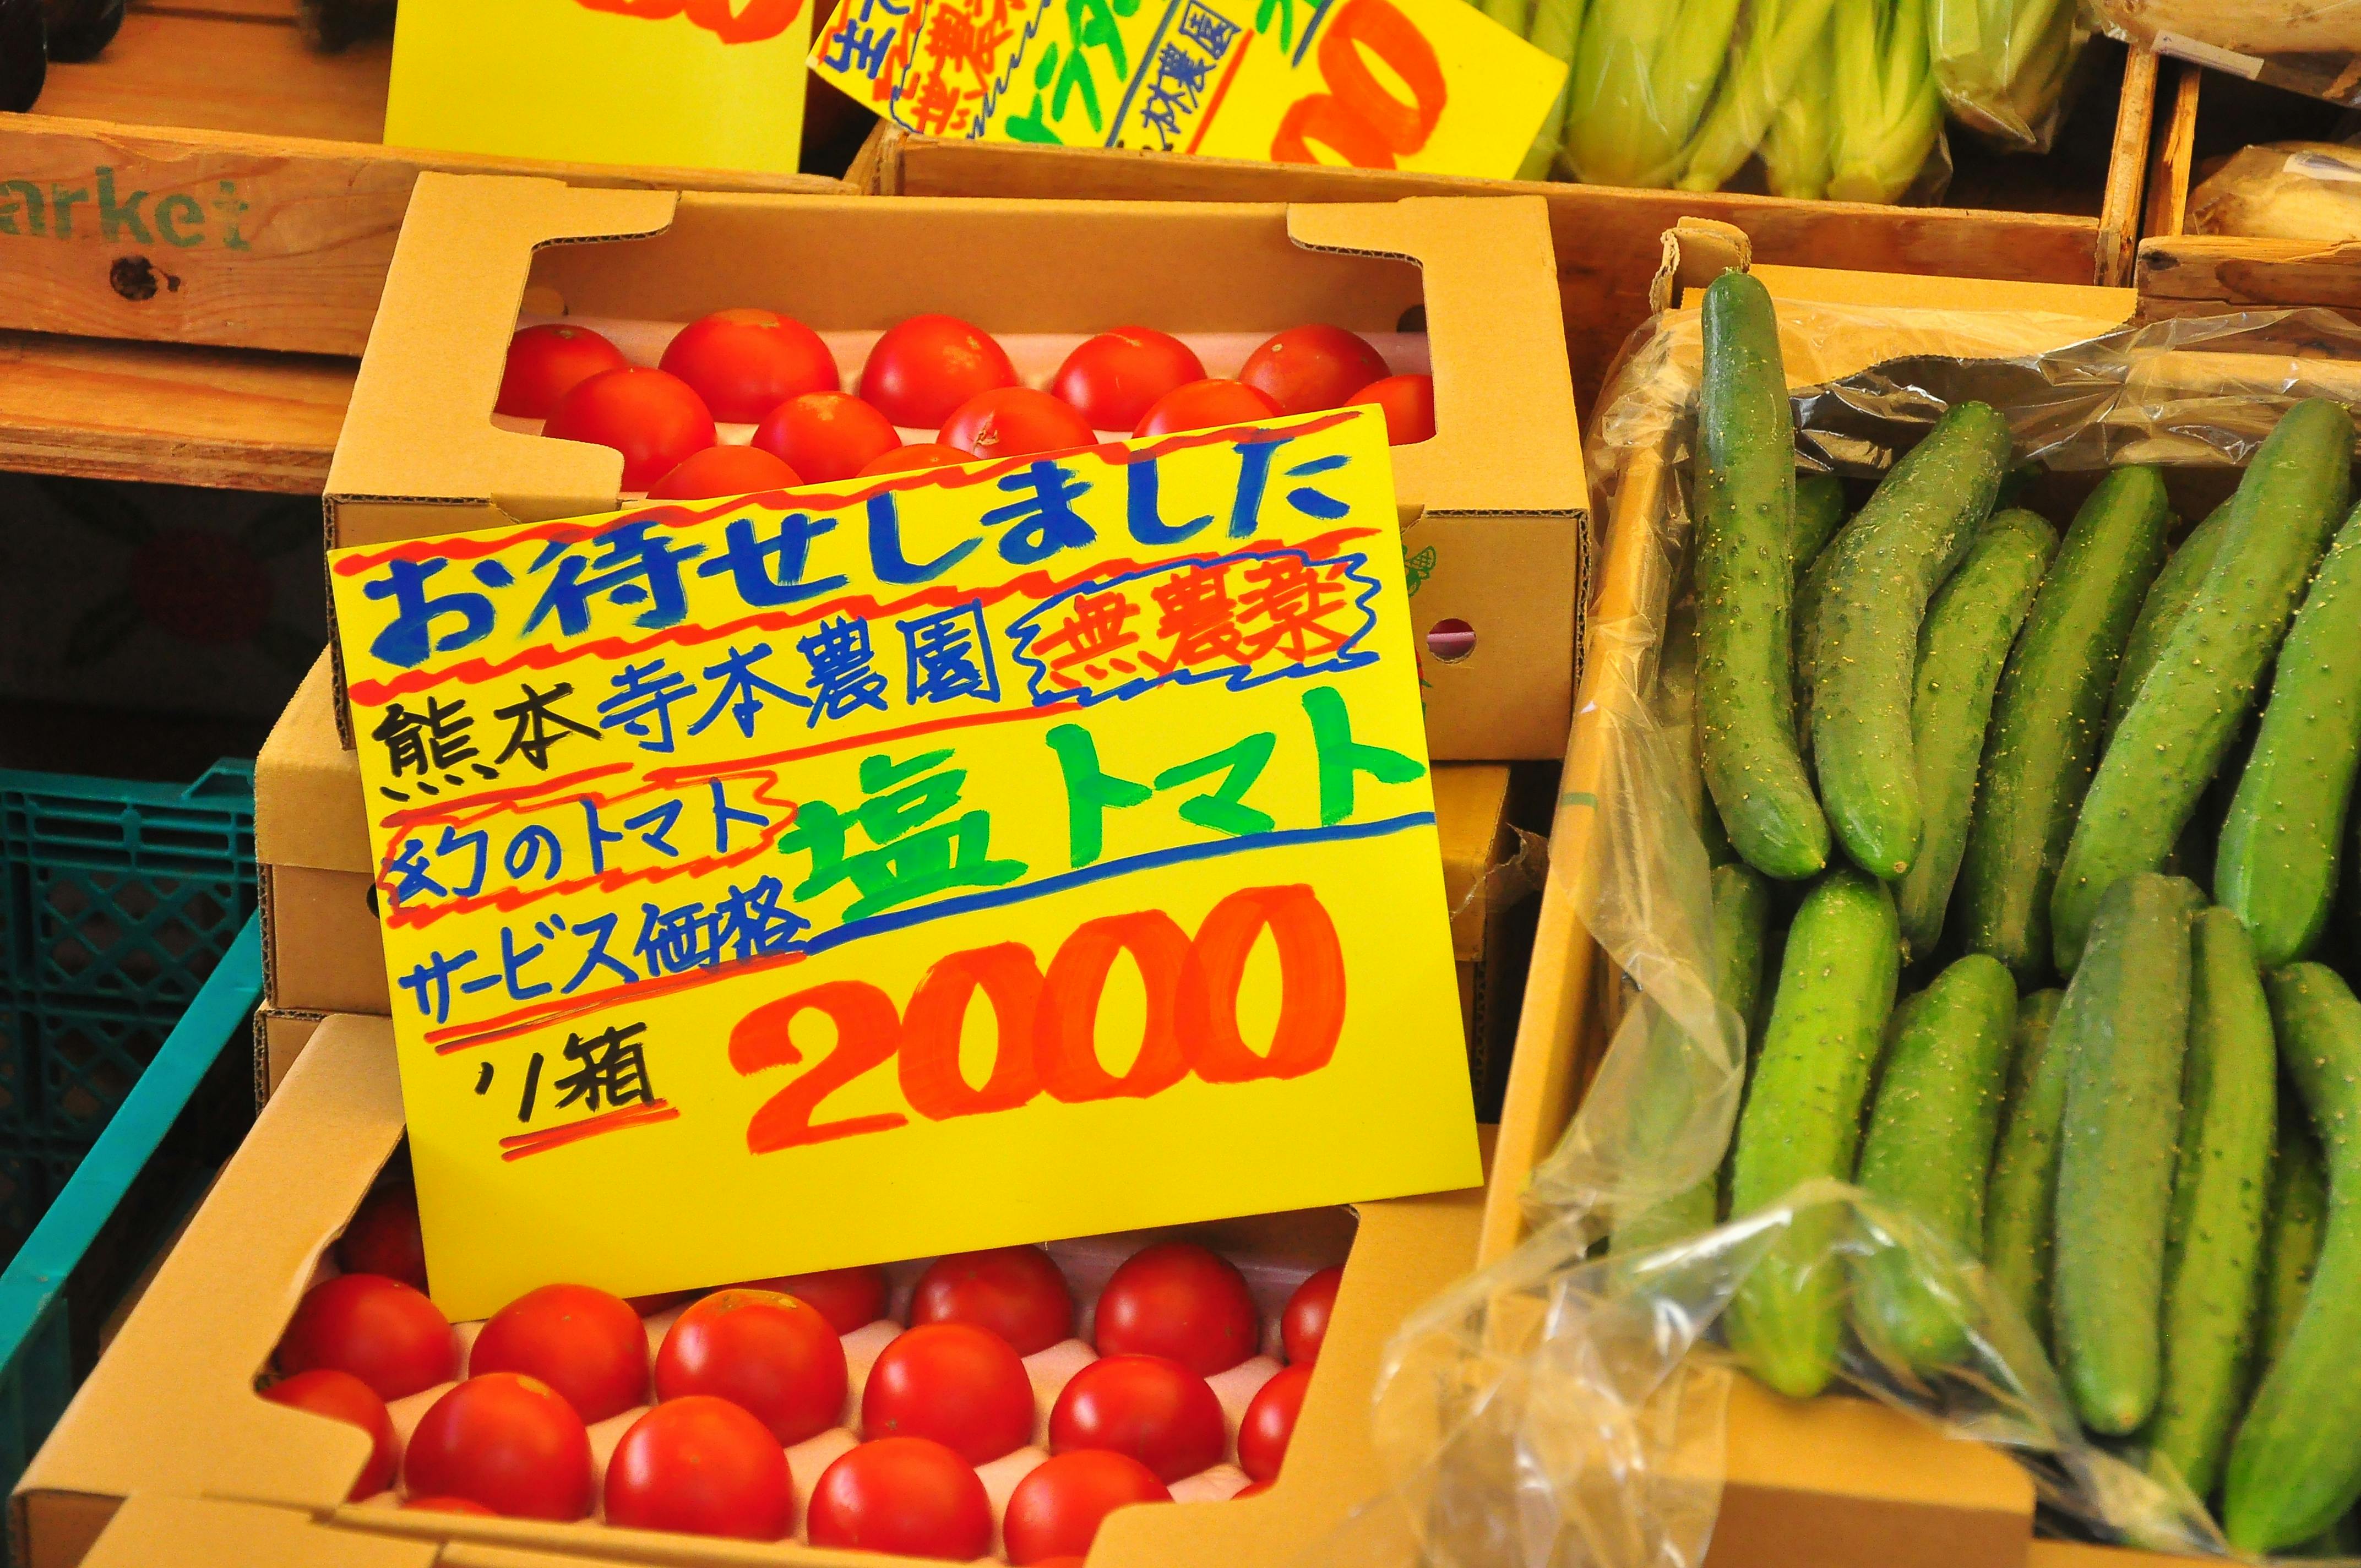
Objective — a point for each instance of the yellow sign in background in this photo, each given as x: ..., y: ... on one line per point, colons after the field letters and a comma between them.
x: 1427, y: 84
x: 684, y: 83
x: 972, y: 856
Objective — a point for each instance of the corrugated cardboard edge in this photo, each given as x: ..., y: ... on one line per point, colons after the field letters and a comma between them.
x: 279, y: 1036
x: 308, y: 806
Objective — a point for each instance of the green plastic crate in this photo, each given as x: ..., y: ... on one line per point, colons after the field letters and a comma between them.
x: 127, y: 1195
x: 118, y: 899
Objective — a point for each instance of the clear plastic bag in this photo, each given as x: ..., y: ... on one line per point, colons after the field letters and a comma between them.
x: 2006, y: 67
x: 1830, y: 98
x: 1565, y: 1406
x: 2297, y: 190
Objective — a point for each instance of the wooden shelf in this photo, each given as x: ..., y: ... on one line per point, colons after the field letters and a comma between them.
x: 229, y: 419
x: 225, y: 66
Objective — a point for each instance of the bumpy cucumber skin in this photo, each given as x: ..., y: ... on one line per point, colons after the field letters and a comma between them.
x: 1928, y: 1151
x: 1802, y: 1120
x: 2045, y: 729
x: 1820, y: 512
x: 2299, y: 1217
x: 2295, y: 1465
x: 1970, y: 625
x: 1887, y: 565
x: 1811, y: 591
x: 2123, y: 1029
x: 2213, y: 1252
x: 1742, y: 925
x: 2167, y: 598
x: 1745, y: 495
x: 2021, y: 1200
x: 2187, y: 712
x: 2276, y: 864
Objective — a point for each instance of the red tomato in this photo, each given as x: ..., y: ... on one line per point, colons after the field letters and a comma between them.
x: 1409, y: 405
x: 769, y: 1353
x: 1015, y: 421
x: 1116, y: 377
x: 582, y: 1343
x: 826, y: 436
x: 1177, y: 1299
x: 379, y: 1330
x: 1270, y: 1421
x: 744, y: 363
x: 506, y: 1441
x: 1014, y: 1292
x: 1156, y: 1410
x: 925, y: 366
x: 848, y: 1298
x: 1251, y: 1489
x: 447, y: 1505
x: 907, y: 1496
x: 1306, y: 369
x: 1201, y: 405
x: 723, y: 471
x: 547, y: 362
x: 383, y: 1238
x: 703, y: 1466
x: 1304, y: 1323
x: 955, y: 1383
x: 918, y: 455
x: 653, y: 419
x: 1056, y: 1510
x: 341, y: 1396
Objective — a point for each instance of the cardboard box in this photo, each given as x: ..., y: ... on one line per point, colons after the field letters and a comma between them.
x: 323, y: 951
x: 1497, y: 493
x: 1836, y: 1482
x: 171, y: 1410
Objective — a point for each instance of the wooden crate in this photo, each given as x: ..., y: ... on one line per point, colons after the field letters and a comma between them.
x: 2207, y: 118
x: 266, y: 216
x: 2072, y: 217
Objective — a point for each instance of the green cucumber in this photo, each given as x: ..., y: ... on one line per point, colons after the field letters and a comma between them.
x: 2276, y: 864
x: 2045, y: 730
x: 2167, y: 598
x: 1742, y: 923
x: 2214, y: 1251
x: 2295, y: 1465
x: 1820, y: 512
x: 2187, y: 712
x: 1970, y: 625
x: 2021, y: 1200
x: 1888, y: 564
x: 2299, y: 1216
x: 1811, y: 591
x: 1927, y: 1153
x: 2123, y: 1028
x: 1802, y: 1120
x: 1745, y: 494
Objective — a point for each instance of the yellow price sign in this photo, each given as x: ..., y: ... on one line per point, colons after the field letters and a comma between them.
x: 679, y: 83
x: 963, y: 858
x: 1432, y: 85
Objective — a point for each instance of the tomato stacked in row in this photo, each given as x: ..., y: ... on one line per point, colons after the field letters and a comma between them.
x: 930, y: 372
x: 744, y: 1374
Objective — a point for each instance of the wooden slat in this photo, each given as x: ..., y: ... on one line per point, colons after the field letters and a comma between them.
x: 169, y: 414
x: 2119, y: 215
x: 2184, y: 271
x: 2176, y: 155
x: 224, y: 74
x: 235, y: 240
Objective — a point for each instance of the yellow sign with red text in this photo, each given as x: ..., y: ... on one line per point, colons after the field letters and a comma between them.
x: 674, y: 84
x: 962, y: 858
x: 1433, y: 85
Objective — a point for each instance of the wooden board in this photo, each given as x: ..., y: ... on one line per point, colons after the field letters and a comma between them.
x: 168, y: 414
x: 211, y: 179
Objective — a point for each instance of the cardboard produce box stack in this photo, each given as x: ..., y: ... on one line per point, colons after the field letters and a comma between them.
x: 169, y: 1453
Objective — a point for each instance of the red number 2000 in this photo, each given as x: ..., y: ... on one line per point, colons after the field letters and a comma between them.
x: 1045, y: 1024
